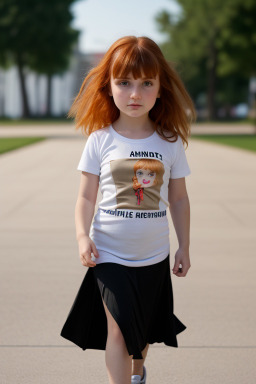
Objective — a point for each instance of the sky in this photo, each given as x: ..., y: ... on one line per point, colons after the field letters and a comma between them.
x: 102, y: 22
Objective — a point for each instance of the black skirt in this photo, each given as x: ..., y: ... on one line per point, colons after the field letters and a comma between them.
x: 140, y: 300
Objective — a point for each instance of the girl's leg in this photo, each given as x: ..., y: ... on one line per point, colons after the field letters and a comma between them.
x: 118, y: 360
x: 137, y: 364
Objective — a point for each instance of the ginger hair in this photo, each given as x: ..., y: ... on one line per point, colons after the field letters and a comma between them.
x: 93, y: 107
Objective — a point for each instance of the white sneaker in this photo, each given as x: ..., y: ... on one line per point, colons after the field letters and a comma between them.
x: 136, y: 379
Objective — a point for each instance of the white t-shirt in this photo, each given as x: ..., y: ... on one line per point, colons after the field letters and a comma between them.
x: 130, y: 226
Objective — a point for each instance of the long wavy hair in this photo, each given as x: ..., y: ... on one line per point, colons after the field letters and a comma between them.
x: 93, y: 107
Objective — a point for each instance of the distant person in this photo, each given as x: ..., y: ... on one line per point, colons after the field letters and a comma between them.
x: 134, y: 107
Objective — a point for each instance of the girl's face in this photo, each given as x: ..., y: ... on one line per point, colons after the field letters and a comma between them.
x: 145, y: 177
x: 134, y: 98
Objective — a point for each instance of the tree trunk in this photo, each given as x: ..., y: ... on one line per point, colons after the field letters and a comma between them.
x: 24, y: 95
x: 37, y: 95
x: 49, y: 96
x: 212, y: 79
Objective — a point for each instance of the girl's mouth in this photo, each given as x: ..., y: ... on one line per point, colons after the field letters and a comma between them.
x: 134, y: 105
x: 146, y: 181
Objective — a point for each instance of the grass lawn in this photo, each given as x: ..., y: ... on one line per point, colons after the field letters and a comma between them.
x: 28, y: 122
x: 10, y: 143
x: 242, y: 141
x: 250, y: 121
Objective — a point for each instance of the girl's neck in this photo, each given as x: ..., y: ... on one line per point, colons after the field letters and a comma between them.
x: 134, y: 127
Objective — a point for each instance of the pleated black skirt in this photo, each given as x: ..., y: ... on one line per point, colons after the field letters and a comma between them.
x: 140, y: 300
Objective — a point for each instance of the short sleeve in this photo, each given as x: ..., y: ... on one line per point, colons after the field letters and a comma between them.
x: 90, y: 159
x: 180, y: 167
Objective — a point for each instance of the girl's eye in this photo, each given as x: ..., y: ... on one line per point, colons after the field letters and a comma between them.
x: 139, y: 173
x: 151, y: 174
x: 123, y: 83
x: 148, y: 83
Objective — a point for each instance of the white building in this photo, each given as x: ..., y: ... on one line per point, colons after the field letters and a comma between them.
x: 64, y: 88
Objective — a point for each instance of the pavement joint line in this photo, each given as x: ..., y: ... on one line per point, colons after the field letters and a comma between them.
x: 231, y: 213
x: 27, y: 200
x: 152, y: 346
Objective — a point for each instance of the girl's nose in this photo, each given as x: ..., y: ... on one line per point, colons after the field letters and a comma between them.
x: 135, y: 93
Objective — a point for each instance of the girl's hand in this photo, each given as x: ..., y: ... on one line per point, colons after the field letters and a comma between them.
x: 86, y: 248
x: 181, y: 257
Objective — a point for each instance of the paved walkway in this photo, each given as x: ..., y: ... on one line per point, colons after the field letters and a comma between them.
x: 67, y: 130
x: 40, y: 270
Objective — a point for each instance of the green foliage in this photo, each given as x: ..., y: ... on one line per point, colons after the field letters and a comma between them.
x: 38, y: 32
x: 189, y: 37
x: 238, y: 43
x: 212, y: 38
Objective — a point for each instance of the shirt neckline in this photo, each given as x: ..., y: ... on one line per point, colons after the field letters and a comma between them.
x: 123, y: 138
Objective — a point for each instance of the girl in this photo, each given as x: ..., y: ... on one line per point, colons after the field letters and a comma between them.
x: 133, y: 106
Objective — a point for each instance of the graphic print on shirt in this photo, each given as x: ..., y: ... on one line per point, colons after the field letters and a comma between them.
x: 138, y: 183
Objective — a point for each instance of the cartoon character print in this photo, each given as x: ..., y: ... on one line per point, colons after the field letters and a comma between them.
x: 147, y: 173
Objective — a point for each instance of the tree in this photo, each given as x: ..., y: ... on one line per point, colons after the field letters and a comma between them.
x: 54, y: 46
x: 203, y: 38
x: 238, y: 43
x: 36, y: 34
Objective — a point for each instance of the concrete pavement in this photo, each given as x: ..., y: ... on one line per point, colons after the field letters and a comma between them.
x: 41, y: 272
x: 68, y: 130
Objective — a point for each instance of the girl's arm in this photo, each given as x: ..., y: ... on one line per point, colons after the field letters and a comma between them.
x: 84, y: 212
x: 180, y: 213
